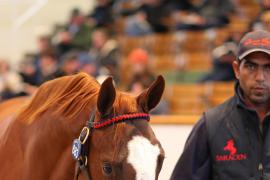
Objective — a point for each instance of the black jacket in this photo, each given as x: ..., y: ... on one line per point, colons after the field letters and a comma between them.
x: 227, y: 143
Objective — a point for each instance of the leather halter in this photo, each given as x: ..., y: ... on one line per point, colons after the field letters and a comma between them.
x: 81, y: 145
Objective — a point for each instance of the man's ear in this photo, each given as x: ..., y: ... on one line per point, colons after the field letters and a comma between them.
x: 236, y: 67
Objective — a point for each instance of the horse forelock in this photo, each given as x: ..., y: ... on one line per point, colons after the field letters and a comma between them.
x: 125, y: 103
x: 66, y: 97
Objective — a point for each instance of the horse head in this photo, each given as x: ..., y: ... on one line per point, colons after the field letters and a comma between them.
x: 129, y: 149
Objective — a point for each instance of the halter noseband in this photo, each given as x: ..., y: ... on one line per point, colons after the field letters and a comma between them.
x: 81, y: 145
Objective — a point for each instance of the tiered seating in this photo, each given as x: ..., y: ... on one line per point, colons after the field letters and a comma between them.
x: 157, y: 44
x: 250, y: 9
x: 183, y: 52
x: 200, y: 61
x: 162, y: 44
x: 127, y: 43
x: 192, y: 41
x: 187, y: 99
x: 219, y: 92
x: 164, y: 63
x: 196, y: 98
x: 168, y: 54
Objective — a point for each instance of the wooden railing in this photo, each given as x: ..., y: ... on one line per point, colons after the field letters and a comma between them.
x: 175, y: 119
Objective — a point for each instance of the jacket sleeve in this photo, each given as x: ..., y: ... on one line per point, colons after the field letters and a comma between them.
x: 194, y: 163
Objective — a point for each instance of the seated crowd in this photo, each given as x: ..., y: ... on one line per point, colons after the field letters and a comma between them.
x: 90, y: 43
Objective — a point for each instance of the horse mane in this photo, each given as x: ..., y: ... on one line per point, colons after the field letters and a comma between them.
x: 66, y: 96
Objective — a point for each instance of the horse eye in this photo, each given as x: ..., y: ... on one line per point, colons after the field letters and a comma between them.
x: 107, y: 168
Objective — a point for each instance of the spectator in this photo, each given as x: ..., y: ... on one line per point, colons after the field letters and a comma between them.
x: 47, y: 67
x: 11, y: 84
x: 202, y: 14
x: 137, y: 25
x: 80, y: 30
x: 105, y: 52
x: 88, y: 64
x: 223, y: 56
x: 140, y: 70
x: 63, y: 42
x: 125, y: 7
x: 29, y: 71
x: 142, y: 77
x: 102, y: 14
x: 44, y: 46
x: 263, y: 21
x: 69, y: 65
x: 156, y: 14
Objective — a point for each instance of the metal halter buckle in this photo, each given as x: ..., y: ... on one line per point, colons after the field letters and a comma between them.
x: 84, y: 134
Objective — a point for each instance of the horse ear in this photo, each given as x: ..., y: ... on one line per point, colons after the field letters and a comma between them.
x: 149, y: 98
x: 106, y: 96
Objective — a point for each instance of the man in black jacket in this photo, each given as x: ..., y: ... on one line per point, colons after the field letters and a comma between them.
x: 232, y: 140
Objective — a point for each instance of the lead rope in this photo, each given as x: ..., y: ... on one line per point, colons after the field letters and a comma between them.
x: 79, y: 169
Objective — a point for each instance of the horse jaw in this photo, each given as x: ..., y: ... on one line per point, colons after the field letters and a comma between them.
x: 142, y: 155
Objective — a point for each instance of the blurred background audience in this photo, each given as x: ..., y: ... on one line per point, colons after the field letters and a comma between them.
x: 189, y: 42
x: 11, y: 83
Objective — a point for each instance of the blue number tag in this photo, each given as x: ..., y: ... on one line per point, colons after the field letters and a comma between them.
x: 76, y: 149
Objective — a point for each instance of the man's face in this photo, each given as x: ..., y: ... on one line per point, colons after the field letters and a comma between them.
x: 99, y: 39
x: 253, y: 74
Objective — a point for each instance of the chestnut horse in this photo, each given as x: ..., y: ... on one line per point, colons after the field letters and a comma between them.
x: 116, y: 143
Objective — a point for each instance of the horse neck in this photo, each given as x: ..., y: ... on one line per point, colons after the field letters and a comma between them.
x: 56, y: 140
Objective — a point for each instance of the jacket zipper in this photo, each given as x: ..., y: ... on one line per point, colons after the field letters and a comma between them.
x: 260, y: 134
x: 260, y: 168
x: 260, y: 137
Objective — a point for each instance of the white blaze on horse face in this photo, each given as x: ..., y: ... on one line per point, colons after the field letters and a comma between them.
x: 142, y: 155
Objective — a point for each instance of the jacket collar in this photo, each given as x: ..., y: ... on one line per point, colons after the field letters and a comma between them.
x: 239, y: 95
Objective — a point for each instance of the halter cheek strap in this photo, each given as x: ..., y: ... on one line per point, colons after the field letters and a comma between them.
x: 80, y: 150
x: 81, y: 145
